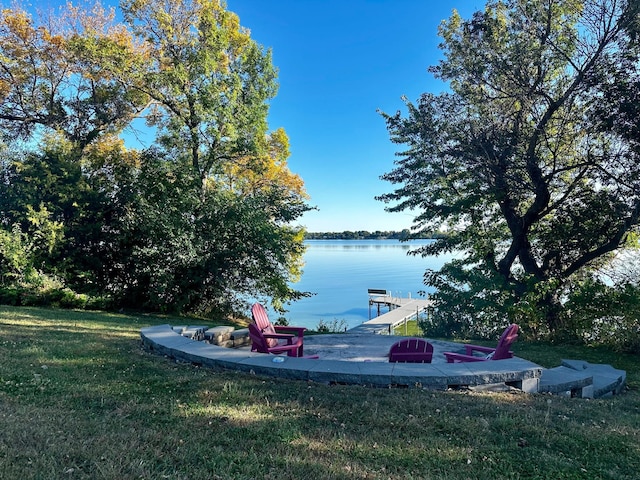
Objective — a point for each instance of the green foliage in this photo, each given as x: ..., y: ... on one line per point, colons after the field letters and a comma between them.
x: 15, y: 262
x: 72, y: 230
x: 199, y: 251
x: 21, y: 252
x: 607, y: 315
x: 9, y: 296
x: 524, y: 164
x: 209, y: 80
x: 45, y: 233
x: 197, y: 223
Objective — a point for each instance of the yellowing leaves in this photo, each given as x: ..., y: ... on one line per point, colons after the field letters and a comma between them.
x: 19, y: 23
x: 110, y: 150
x: 260, y: 173
x: 215, y: 187
x: 5, y: 88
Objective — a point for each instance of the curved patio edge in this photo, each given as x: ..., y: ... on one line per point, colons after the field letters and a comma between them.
x: 515, y: 372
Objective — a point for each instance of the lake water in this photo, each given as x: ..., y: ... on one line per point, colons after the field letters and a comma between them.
x: 340, y: 272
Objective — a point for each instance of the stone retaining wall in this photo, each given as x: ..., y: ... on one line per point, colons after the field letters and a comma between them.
x: 172, y: 342
x: 224, y: 336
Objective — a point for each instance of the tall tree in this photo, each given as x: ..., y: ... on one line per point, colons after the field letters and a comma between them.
x: 210, y: 84
x: 199, y: 222
x: 523, y: 161
x: 64, y: 95
x: 66, y: 74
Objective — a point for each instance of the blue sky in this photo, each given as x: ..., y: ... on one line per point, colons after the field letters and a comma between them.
x: 339, y: 62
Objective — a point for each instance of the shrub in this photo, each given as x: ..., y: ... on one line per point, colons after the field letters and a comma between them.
x: 605, y: 315
x: 9, y: 296
x: 333, y: 326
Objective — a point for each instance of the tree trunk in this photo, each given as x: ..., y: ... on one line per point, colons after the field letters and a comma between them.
x: 552, y: 307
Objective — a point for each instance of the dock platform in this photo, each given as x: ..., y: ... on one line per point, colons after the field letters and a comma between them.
x: 401, y: 310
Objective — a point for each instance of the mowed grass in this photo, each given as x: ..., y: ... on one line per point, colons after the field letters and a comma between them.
x: 79, y: 398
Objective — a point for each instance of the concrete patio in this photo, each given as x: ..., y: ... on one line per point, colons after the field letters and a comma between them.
x: 354, y: 358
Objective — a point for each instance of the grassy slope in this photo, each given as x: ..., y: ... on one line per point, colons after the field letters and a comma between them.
x: 80, y: 399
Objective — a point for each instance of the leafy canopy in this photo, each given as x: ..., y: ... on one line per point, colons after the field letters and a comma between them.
x: 523, y: 162
x: 199, y: 222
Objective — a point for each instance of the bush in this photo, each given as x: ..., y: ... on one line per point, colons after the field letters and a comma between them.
x: 600, y: 314
x: 9, y: 296
x: 442, y: 326
x: 99, y: 303
x: 55, y: 297
x: 333, y: 326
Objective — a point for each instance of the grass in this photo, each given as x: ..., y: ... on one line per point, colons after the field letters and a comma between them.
x: 80, y: 399
x: 408, y: 329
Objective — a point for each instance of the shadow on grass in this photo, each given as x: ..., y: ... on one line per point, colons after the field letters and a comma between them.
x: 104, y: 408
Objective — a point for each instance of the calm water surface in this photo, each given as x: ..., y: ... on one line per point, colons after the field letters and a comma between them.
x: 339, y: 272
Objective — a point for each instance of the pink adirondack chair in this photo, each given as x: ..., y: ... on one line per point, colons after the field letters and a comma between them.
x: 486, y: 353
x: 276, y: 335
x: 411, y: 350
x: 259, y: 343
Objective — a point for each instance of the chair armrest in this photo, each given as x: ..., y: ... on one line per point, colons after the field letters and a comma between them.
x: 280, y: 336
x: 299, y: 331
x: 477, y: 348
x: 459, y: 357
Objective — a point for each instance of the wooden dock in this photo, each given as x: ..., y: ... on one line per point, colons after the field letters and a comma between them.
x: 400, y: 311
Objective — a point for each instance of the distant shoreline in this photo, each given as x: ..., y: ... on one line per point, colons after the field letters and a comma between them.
x: 377, y: 235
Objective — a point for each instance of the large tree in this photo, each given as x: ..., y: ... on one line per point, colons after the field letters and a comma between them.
x: 210, y: 85
x: 209, y: 81
x: 66, y: 73
x: 530, y: 161
x: 196, y: 223
x: 65, y: 93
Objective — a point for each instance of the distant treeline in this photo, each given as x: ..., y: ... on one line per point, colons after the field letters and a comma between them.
x: 365, y: 235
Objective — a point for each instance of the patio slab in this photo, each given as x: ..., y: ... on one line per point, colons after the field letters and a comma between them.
x: 356, y: 360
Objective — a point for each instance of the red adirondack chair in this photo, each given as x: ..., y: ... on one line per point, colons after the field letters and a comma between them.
x: 276, y: 335
x: 259, y: 343
x: 411, y: 350
x: 486, y: 353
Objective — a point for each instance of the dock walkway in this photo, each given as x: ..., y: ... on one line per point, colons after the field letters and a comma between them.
x: 401, y: 310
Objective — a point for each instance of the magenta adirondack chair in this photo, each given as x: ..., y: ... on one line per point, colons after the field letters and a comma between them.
x: 486, y: 353
x: 276, y: 335
x: 411, y: 350
x: 259, y: 343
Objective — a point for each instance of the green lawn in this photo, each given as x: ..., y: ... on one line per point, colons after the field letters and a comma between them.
x: 79, y: 398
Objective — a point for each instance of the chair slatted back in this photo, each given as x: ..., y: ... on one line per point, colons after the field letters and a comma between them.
x: 261, y: 319
x: 411, y: 350
x: 504, y: 344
